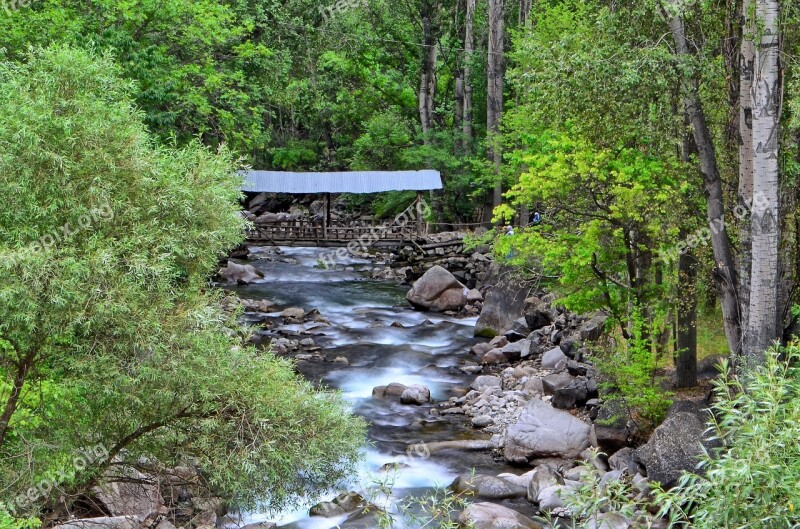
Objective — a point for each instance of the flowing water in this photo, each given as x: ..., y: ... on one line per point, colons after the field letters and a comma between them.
x: 420, y: 347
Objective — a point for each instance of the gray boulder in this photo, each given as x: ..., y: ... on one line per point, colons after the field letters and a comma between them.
x: 416, y: 394
x: 492, y: 516
x: 608, y: 520
x: 504, y: 303
x: 554, y: 359
x: 484, y: 382
x: 239, y: 274
x: 438, y: 290
x: 487, y: 487
x: 594, y: 327
x: 543, y: 431
x: 674, y: 447
x: 126, y: 491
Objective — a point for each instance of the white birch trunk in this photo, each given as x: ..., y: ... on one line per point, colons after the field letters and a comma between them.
x: 762, y: 326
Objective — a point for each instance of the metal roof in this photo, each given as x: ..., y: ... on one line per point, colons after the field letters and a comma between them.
x: 343, y: 182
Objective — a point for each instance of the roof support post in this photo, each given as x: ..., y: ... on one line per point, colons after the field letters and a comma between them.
x: 327, y: 219
x: 420, y: 220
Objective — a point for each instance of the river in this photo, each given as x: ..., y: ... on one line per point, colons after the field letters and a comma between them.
x: 384, y: 340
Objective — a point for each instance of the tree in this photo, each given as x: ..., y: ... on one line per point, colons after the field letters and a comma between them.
x: 494, y: 93
x: 109, y: 333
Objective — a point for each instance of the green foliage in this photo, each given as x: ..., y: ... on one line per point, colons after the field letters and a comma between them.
x: 105, y: 307
x: 751, y: 481
x: 606, y: 210
x: 629, y: 374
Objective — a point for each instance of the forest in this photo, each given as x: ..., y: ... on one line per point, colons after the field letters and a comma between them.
x: 638, y: 159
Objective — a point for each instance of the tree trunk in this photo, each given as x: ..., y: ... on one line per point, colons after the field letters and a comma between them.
x: 725, y: 270
x: 686, y: 348
x: 746, y: 155
x: 469, y: 45
x: 494, y: 98
x: 762, y: 324
x: 427, y: 85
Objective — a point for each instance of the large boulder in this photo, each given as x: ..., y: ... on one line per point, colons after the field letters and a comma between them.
x: 676, y: 445
x: 126, y: 491
x: 239, y: 274
x: 543, y: 431
x: 493, y: 516
x: 504, y: 303
x: 416, y: 394
x: 438, y: 290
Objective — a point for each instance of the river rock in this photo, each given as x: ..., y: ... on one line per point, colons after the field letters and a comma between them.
x: 495, y: 356
x: 294, y: 313
x: 106, y: 522
x: 424, y: 450
x: 492, y: 516
x: 674, y: 447
x: 608, y: 520
x: 516, y: 350
x: 416, y: 394
x: 553, y: 382
x: 504, y: 303
x: 487, y: 487
x: 392, y: 390
x: 474, y: 295
x: 543, y: 431
x: 438, y: 290
x: 542, y: 477
x: 326, y: 509
x: 238, y: 274
x: 126, y: 491
x: 571, y: 396
x: 483, y: 382
x: 554, y: 359
x: 482, y: 421
x: 594, y: 327
x: 552, y: 497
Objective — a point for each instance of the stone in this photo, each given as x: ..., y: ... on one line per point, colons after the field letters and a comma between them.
x: 483, y: 382
x: 517, y: 350
x: 480, y: 349
x: 239, y: 274
x: 127, y: 491
x: 538, y: 316
x: 392, y: 390
x: 623, y: 459
x: 105, y: 522
x: 350, y: 501
x: 543, y: 476
x: 674, y: 447
x: 294, y: 313
x: 326, y: 509
x: 612, y: 428
x: 259, y: 525
x: 504, y: 303
x: 474, y: 295
x: 554, y: 359
x: 499, y: 342
x: 416, y: 394
x: 484, y: 515
x: 554, y: 382
x: 608, y: 520
x: 577, y: 369
x: 482, y: 421
x: 543, y: 431
x: 438, y: 290
x: 487, y: 487
x: 552, y: 497
x: 571, y: 396
x: 495, y: 356
x: 470, y: 445
x: 594, y: 327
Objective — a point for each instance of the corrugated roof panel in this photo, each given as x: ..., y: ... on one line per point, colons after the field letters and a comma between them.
x: 343, y: 182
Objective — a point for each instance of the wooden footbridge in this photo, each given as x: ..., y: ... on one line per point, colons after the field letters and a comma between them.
x: 322, y: 231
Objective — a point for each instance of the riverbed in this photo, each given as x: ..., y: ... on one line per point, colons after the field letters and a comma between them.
x: 384, y: 340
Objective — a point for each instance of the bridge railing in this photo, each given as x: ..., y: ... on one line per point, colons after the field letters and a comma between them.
x: 305, y: 230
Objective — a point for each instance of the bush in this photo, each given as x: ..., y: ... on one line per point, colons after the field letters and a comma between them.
x: 750, y: 482
x: 753, y: 480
